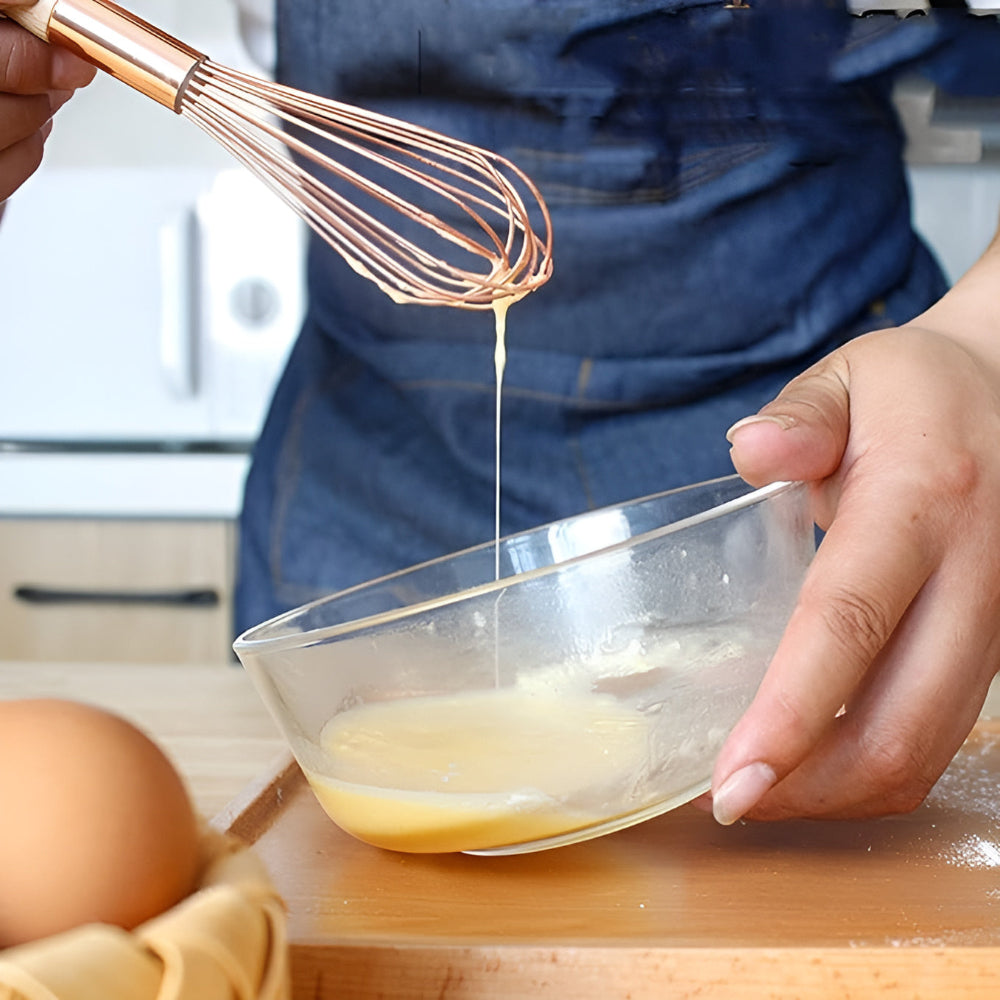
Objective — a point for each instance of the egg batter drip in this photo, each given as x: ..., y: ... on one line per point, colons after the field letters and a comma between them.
x: 500, y: 307
x: 476, y: 770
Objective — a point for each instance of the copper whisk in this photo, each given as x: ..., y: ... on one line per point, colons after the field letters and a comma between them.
x: 430, y: 219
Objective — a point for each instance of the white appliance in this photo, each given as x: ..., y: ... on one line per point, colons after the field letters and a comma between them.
x: 147, y: 313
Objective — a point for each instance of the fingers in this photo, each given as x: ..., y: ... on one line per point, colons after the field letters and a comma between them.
x: 888, y: 655
x: 21, y: 117
x: 800, y: 435
x: 30, y: 66
x: 35, y: 81
x: 867, y: 572
x: 904, y: 722
x: 19, y: 161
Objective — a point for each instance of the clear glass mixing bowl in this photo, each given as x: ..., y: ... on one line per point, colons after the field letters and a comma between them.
x: 587, y: 689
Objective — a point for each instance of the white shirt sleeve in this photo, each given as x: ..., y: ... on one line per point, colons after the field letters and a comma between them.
x: 256, y: 22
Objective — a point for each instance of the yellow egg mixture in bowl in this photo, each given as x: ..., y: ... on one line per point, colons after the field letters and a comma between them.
x: 587, y: 687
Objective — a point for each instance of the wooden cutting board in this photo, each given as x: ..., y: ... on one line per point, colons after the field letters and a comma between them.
x: 676, y: 907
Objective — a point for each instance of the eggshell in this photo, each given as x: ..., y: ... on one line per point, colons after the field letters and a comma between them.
x: 96, y: 823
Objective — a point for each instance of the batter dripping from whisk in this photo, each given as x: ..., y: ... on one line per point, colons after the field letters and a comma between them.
x: 500, y: 307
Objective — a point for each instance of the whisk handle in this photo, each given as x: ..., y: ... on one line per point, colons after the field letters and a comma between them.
x: 35, y: 19
x: 116, y: 41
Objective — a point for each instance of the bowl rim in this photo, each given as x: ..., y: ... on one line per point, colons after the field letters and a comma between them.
x: 247, y: 641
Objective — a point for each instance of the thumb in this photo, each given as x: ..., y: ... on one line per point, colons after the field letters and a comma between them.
x: 800, y: 435
x: 28, y: 65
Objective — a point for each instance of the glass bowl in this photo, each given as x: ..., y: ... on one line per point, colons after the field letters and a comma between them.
x: 589, y: 688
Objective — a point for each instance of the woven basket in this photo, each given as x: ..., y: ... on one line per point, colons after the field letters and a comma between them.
x: 226, y: 941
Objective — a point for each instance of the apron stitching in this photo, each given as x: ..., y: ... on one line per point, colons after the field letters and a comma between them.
x: 590, y: 405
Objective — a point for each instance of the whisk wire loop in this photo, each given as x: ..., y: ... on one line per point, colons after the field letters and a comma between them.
x: 337, y: 219
x: 261, y: 123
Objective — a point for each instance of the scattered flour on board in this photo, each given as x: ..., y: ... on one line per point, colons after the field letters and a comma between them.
x: 970, y: 786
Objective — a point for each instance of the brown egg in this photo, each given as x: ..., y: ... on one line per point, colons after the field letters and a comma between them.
x: 95, y: 823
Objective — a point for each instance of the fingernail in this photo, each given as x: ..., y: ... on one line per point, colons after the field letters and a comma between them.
x: 741, y: 791
x: 782, y: 420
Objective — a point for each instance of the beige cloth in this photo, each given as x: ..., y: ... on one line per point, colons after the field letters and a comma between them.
x: 227, y: 941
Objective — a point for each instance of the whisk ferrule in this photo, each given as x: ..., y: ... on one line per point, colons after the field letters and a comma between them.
x: 138, y: 54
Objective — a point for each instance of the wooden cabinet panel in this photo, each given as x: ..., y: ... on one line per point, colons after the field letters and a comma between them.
x: 147, y: 591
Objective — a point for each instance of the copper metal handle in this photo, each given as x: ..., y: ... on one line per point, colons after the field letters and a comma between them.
x: 116, y: 41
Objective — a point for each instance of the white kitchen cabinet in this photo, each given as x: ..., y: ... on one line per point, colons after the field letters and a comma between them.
x: 116, y: 590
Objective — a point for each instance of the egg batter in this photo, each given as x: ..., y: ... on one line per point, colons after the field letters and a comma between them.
x: 500, y: 307
x: 476, y: 770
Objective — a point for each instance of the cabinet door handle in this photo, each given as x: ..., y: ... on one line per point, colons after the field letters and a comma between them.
x: 183, y: 597
x: 179, y: 333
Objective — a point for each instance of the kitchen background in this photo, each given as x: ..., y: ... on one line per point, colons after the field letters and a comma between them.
x: 151, y: 290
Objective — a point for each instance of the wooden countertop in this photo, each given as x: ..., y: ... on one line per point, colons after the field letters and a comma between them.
x: 208, y: 719
x: 676, y: 907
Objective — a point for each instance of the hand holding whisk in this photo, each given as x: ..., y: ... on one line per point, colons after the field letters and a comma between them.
x: 430, y: 219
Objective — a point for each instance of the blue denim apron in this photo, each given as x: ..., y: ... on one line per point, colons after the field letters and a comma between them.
x: 728, y: 205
